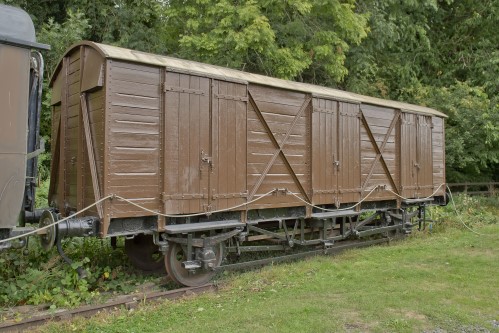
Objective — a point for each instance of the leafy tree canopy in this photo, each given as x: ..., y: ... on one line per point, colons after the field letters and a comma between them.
x: 439, y: 53
x: 294, y: 39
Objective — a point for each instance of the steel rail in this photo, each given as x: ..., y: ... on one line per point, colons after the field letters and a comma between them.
x: 128, y: 302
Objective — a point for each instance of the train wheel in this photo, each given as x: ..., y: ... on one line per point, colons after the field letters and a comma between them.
x: 174, y: 258
x: 47, y: 240
x: 144, y: 254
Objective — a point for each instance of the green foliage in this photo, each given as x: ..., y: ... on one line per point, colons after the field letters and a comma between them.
x: 475, y: 212
x: 472, y: 131
x: 42, y: 192
x: 134, y: 24
x: 305, y: 40
x: 39, y: 277
x: 395, y: 52
x: 465, y: 44
x: 60, y: 36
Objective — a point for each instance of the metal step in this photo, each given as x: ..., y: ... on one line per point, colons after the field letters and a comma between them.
x: 338, y: 213
x: 202, y: 226
x: 415, y: 201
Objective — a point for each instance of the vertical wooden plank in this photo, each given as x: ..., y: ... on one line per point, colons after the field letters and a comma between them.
x: 443, y: 155
x: 171, y: 122
x: 241, y: 141
x: 205, y: 139
x: 194, y: 142
x: 61, y: 196
x: 398, y: 157
x: 80, y: 158
x: 183, y: 146
x: 214, y: 146
x: 323, y: 147
x: 336, y: 152
x: 161, y: 155
x: 329, y: 148
x: 231, y: 144
x: 314, y: 147
x: 106, y: 206
x: 222, y: 145
x: 315, y: 167
x: 91, y: 153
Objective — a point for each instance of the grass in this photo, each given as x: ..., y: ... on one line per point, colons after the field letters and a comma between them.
x: 429, y: 282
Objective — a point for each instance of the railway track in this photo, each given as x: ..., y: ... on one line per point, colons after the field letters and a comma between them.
x: 135, y: 300
x: 128, y: 302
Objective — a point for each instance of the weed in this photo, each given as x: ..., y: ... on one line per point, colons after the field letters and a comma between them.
x: 473, y: 211
x: 40, y: 277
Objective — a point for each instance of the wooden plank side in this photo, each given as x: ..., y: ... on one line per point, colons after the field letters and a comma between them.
x: 379, y: 152
x: 278, y: 125
x: 277, y: 96
x: 194, y: 151
x: 61, y: 191
x: 240, y: 131
x: 183, y: 143
x: 133, y: 137
x: 171, y: 141
x: 438, y: 154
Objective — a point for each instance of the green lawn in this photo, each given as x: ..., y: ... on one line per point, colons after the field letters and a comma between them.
x: 447, y: 281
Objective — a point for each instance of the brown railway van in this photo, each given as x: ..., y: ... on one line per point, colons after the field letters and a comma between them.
x: 208, y: 158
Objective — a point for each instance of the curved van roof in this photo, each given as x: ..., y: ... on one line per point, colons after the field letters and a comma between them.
x: 193, y: 67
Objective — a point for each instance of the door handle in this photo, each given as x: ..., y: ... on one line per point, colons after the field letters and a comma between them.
x: 207, y: 159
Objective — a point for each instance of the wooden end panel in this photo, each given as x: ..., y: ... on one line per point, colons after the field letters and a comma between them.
x: 438, y: 143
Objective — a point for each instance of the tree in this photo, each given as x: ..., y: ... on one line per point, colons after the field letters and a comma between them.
x: 442, y: 54
x: 472, y: 129
x: 304, y: 40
